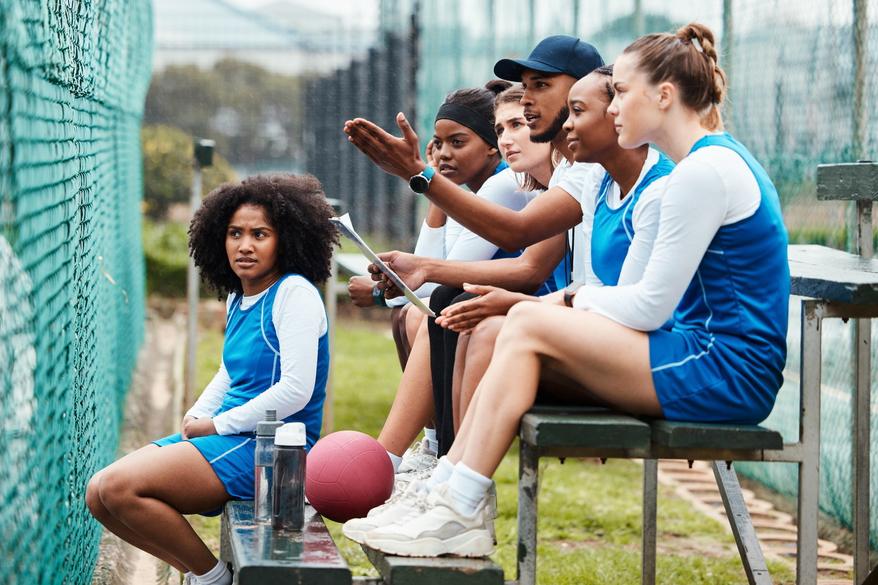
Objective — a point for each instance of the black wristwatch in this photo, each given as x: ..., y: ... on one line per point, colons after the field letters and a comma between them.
x: 570, y: 292
x: 421, y: 182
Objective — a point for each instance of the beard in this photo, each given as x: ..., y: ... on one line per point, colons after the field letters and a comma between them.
x: 553, y: 130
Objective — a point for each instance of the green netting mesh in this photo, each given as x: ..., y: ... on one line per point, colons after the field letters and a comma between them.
x: 793, y: 87
x: 73, y: 76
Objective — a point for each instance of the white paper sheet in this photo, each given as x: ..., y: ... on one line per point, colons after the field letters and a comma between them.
x: 347, y: 228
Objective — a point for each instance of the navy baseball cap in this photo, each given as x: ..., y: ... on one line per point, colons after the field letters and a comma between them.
x: 555, y: 54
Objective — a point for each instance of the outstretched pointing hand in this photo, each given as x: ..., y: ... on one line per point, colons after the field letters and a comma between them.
x: 396, y: 156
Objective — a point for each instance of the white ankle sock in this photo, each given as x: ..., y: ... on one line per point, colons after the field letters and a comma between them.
x: 467, y: 488
x: 432, y: 440
x: 395, y: 460
x: 441, y: 472
x: 219, y: 575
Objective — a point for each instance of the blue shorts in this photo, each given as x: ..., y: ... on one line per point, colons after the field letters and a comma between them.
x: 230, y: 456
x: 704, y: 378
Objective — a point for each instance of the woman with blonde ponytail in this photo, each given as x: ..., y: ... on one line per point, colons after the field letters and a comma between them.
x: 700, y: 337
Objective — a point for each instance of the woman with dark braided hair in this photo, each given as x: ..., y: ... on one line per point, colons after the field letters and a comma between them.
x: 265, y: 243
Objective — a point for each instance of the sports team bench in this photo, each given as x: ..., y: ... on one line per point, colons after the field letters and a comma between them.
x: 261, y: 556
x: 835, y: 284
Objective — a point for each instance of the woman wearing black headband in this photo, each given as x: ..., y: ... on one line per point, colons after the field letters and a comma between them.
x: 464, y: 150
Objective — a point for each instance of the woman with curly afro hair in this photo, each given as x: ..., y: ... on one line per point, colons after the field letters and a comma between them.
x: 265, y: 243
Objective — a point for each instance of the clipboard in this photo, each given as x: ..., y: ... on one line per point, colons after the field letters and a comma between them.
x: 343, y: 223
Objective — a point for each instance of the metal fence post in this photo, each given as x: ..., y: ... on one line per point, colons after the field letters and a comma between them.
x: 203, y: 157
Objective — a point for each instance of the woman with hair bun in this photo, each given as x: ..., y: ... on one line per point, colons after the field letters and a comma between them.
x: 718, y: 267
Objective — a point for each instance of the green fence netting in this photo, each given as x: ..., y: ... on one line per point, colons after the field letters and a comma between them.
x: 73, y: 76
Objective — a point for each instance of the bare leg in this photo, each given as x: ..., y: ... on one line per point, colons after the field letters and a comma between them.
x: 413, y: 405
x: 457, y: 379
x: 609, y: 359
x: 111, y: 523
x: 149, y: 492
x: 478, y: 357
x: 397, y: 327
x: 413, y: 320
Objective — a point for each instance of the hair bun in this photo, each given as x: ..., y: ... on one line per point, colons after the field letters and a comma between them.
x: 699, y: 35
x: 497, y: 86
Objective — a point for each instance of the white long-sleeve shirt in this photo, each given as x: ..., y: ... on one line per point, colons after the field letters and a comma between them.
x: 708, y: 189
x: 299, y: 321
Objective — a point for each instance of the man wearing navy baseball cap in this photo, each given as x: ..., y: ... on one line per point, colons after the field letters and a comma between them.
x: 547, y: 74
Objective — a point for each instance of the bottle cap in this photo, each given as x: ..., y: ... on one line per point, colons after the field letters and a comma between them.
x: 267, y: 427
x: 291, y: 435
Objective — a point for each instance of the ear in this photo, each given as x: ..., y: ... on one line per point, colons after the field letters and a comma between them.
x: 666, y: 93
x: 492, y: 151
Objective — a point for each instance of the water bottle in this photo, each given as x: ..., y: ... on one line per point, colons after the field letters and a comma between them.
x: 263, y: 461
x: 288, y: 493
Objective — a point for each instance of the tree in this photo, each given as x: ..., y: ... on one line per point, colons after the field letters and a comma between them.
x: 252, y: 114
x: 167, y: 168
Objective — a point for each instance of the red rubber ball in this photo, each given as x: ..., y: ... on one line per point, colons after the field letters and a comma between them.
x: 347, y: 473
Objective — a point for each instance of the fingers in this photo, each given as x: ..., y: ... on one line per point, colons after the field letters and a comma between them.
x: 407, y: 132
x: 461, y: 326
x: 478, y: 289
x: 387, y: 256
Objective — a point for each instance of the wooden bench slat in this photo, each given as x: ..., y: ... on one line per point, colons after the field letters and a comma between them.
x: 847, y: 181
x: 683, y: 435
x: 600, y: 430
x: 435, y: 571
x: 262, y: 556
x: 832, y: 275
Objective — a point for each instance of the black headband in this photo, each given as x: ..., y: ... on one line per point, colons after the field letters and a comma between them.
x: 469, y: 118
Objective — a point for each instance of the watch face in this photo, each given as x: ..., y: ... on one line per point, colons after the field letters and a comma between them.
x: 419, y: 184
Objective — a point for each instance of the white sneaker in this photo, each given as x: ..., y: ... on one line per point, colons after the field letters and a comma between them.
x: 439, y: 530
x: 417, y: 459
x: 401, y: 504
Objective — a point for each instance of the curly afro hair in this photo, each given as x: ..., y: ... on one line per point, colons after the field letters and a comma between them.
x: 296, y: 208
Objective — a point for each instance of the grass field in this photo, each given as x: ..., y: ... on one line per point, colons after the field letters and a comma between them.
x: 589, y: 513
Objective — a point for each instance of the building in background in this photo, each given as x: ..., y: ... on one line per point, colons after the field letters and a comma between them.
x: 287, y: 37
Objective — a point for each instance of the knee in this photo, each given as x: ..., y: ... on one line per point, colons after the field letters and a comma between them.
x: 521, y: 323
x: 115, y: 489
x: 486, y: 331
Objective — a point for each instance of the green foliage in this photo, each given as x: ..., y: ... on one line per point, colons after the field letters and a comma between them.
x: 251, y: 113
x: 165, y: 249
x: 167, y: 169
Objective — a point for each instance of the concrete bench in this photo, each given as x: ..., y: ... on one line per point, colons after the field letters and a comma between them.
x: 434, y: 571
x: 262, y: 556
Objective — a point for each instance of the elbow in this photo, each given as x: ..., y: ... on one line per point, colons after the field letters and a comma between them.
x: 508, y: 243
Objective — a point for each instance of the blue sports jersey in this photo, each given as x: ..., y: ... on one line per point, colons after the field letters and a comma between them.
x: 251, y: 354
x: 613, y: 229
x: 723, y: 359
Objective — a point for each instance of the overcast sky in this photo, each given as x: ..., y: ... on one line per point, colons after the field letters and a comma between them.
x: 360, y: 11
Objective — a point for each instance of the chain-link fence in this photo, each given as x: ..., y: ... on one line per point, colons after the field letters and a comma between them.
x: 803, y: 91
x: 72, y: 81
x: 375, y: 86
